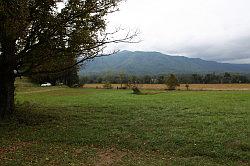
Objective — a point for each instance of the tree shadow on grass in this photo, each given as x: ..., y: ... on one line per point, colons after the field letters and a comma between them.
x: 28, y: 114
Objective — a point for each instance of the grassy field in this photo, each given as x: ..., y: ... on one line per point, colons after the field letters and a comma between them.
x: 183, y: 86
x: 63, y: 126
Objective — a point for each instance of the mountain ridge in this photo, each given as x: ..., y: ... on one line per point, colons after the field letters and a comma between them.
x: 154, y: 63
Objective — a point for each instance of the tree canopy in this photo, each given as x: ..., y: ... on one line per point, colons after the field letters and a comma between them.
x: 36, y: 37
x: 172, y: 82
x: 47, y: 39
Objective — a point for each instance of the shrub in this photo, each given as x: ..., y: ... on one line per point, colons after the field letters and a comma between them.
x: 107, y: 85
x: 172, y: 82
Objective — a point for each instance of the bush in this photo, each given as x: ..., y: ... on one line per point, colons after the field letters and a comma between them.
x: 172, y: 82
x: 107, y: 85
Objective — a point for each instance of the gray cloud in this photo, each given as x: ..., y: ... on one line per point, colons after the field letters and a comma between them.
x: 213, y: 30
x: 237, y: 50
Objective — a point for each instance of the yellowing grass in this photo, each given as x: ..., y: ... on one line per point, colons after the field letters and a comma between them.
x: 183, y: 87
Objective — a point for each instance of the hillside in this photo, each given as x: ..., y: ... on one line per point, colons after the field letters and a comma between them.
x: 153, y: 63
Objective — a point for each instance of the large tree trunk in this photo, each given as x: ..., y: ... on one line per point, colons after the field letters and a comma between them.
x: 7, y: 92
x: 7, y: 78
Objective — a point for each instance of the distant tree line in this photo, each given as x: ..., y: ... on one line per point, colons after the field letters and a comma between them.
x: 213, y: 78
x: 69, y: 78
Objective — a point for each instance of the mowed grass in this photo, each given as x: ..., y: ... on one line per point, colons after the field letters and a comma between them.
x: 63, y: 126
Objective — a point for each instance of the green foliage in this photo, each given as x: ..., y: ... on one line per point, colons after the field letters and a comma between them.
x: 49, y: 40
x: 172, y: 82
x: 37, y: 38
x: 160, y: 79
x: 122, y: 79
x: 69, y: 78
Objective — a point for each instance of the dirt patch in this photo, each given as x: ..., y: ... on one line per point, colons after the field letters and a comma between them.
x: 14, y: 147
x: 238, y: 145
x: 76, y: 92
x: 39, y: 91
x: 109, y: 157
x: 152, y: 93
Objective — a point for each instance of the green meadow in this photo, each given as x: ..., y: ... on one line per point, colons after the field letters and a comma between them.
x: 64, y: 126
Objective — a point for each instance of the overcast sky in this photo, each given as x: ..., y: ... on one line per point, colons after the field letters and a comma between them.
x: 209, y: 29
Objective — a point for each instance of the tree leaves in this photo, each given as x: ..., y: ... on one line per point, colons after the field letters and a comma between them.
x: 51, y: 41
